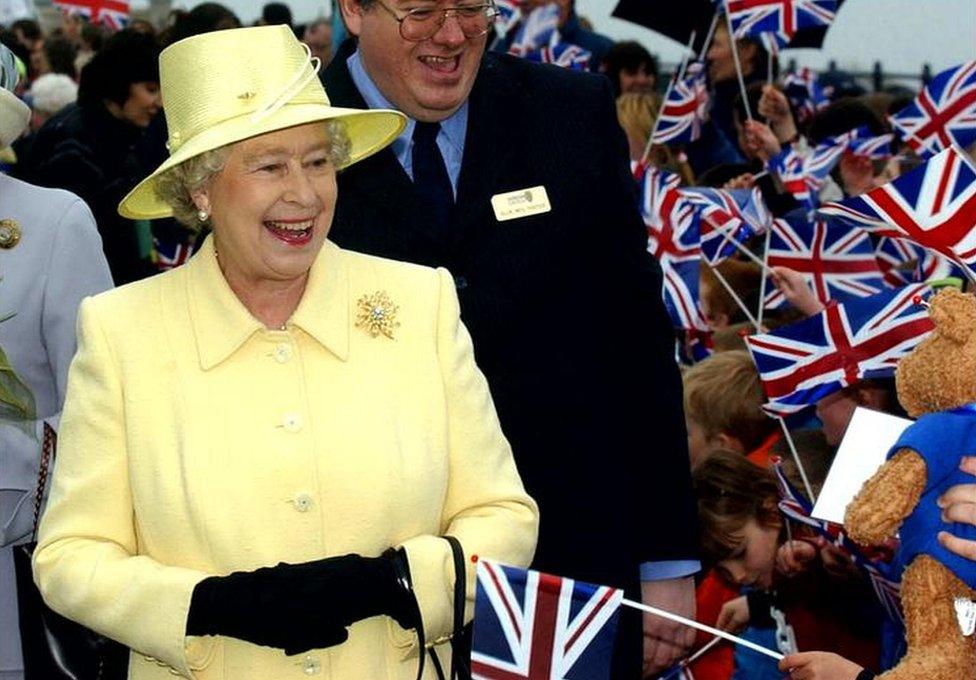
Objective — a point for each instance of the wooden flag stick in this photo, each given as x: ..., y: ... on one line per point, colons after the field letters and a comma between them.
x: 738, y: 66
x: 691, y: 659
x: 762, y: 278
x: 730, y: 238
x: 689, y: 49
x: 709, y: 36
x: 735, y: 296
x: 701, y: 626
x: 799, y: 463
x: 703, y: 651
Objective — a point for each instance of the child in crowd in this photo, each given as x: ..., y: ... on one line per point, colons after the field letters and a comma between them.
x: 742, y: 532
x: 723, y: 411
x: 836, y: 409
x: 723, y: 401
x: 716, y: 303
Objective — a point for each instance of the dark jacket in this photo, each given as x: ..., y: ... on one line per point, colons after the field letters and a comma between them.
x: 564, y: 307
x: 96, y: 156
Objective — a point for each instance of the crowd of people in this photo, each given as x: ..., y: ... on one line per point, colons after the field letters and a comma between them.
x: 273, y: 420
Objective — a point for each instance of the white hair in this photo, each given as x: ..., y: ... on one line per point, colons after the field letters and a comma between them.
x: 52, y: 92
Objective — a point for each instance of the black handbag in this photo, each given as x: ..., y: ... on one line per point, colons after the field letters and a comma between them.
x: 56, y: 648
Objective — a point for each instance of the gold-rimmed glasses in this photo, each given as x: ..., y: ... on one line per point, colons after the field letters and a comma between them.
x: 420, y: 23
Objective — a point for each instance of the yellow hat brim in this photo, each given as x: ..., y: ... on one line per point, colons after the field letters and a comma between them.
x: 368, y: 132
x: 14, y: 117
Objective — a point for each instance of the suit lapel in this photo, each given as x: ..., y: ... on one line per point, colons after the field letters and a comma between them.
x: 488, y: 145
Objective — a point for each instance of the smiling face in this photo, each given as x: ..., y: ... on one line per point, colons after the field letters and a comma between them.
x: 142, y: 104
x: 753, y: 559
x: 271, y: 206
x: 427, y: 80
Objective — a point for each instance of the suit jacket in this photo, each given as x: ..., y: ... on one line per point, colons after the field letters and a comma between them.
x: 564, y: 307
x: 57, y: 262
x: 195, y: 441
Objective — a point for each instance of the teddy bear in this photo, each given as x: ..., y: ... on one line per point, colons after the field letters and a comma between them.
x: 936, y: 384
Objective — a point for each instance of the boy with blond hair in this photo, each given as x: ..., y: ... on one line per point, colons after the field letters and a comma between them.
x: 723, y: 408
x: 723, y: 400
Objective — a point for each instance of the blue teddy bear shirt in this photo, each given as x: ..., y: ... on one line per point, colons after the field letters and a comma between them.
x: 941, y: 439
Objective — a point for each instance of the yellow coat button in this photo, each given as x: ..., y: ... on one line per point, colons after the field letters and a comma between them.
x: 292, y: 422
x: 311, y: 666
x: 303, y: 502
x: 282, y: 353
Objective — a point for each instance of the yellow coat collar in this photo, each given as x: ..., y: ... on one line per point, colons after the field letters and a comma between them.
x: 221, y: 322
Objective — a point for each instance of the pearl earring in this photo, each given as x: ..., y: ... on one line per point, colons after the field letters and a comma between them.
x: 202, y: 215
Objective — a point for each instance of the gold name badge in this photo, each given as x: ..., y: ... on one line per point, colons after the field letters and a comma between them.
x: 521, y: 203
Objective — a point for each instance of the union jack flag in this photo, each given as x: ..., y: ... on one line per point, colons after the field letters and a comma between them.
x: 509, y: 15
x: 681, y: 295
x: 804, y: 176
x: 658, y: 199
x: 112, y: 13
x: 728, y: 217
x: 861, y: 142
x: 862, y: 338
x: 872, y: 563
x: 539, y: 29
x: 932, y: 205
x: 672, y: 238
x: 778, y: 19
x: 903, y: 262
x: 791, y: 168
x: 683, y: 111
x: 566, y: 55
x: 805, y: 93
x: 534, y: 626
x: 695, y: 346
x: 943, y: 113
x: 170, y: 255
x: 836, y: 262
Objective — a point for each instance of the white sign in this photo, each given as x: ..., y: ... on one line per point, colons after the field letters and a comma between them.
x: 869, y: 437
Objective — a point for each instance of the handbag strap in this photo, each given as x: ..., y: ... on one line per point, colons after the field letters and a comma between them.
x: 50, y: 442
x: 460, y: 577
x: 460, y: 583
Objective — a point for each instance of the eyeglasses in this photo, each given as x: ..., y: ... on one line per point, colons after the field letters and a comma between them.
x: 420, y: 23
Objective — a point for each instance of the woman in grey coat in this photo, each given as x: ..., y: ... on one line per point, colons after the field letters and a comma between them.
x: 50, y: 258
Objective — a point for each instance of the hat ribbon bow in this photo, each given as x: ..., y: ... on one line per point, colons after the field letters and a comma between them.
x: 298, y: 82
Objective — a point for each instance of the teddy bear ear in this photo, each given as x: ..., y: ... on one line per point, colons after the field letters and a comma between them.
x: 954, y: 314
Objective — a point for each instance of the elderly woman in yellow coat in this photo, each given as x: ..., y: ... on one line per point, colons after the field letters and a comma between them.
x: 261, y: 449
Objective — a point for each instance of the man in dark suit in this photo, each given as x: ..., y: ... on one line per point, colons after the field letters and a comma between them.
x: 515, y: 178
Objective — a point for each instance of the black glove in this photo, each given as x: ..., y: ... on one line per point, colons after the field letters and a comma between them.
x: 297, y: 607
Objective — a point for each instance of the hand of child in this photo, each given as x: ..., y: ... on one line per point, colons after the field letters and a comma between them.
x: 761, y: 141
x: 743, y: 181
x: 774, y: 106
x: 837, y: 563
x: 959, y: 505
x: 819, y: 666
x: 734, y: 615
x: 794, y: 287
x: 793, y: 557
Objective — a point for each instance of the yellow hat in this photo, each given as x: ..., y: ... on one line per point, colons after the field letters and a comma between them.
x: 226, y: 86
x: 14, y: 114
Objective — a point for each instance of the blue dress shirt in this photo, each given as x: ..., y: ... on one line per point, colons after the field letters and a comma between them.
x: 450, y: 140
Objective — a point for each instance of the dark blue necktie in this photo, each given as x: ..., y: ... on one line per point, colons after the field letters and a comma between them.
x: 430, y: 173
